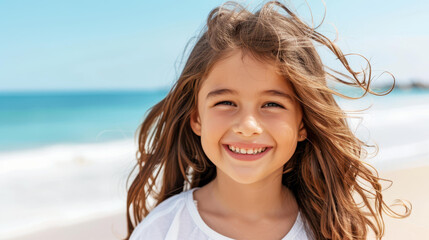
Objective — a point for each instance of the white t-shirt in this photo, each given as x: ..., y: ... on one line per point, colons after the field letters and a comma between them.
x: 178, y: 218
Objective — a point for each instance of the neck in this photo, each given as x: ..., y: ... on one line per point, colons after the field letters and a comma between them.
x: 264, y: 199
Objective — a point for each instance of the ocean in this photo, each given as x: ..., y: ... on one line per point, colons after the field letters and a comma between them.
x: 66, y: 156
x: 34, y: 120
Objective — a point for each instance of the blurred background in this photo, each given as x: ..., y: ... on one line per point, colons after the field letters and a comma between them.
x: 77, y: 77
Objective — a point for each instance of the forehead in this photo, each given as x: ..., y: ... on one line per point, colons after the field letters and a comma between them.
x: 244, y: 73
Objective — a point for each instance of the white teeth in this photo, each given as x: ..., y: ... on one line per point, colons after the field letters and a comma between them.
x: 246, y: 151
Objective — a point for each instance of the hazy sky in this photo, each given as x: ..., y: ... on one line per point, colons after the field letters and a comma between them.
x: 70, y: 45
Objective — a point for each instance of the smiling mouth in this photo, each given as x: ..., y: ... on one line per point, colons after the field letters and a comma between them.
x: 253, y: 151
x: 259, y: 153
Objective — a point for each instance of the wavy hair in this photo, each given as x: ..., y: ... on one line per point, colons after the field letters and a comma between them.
x: 338, y: 193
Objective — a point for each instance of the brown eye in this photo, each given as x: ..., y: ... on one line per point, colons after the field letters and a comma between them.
x: 273, y: 104
x: 224, y: 103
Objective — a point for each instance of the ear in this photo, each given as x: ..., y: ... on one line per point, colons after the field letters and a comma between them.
x: 302, y: 132
x: 195, y: 123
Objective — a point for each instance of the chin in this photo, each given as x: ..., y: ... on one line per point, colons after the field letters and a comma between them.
x: 244, y: 177
x: 245, y: 180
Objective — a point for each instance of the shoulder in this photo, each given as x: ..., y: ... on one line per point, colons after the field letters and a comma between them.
x: 163, y: 219
x: 166, y: 208
x: 300, y: 230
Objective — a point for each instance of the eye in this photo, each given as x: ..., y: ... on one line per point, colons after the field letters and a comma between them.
x: 273, y: 104
x: 270, y: 104
x: 225, y: 103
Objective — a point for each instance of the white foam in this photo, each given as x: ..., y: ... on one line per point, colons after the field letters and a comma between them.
x: 399, y: 116
x: 411, y: 155
x: 61, y: 154
x: 401, y: 133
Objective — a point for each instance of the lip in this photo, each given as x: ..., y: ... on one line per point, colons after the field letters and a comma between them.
x: 247, y: 145
x: 246, y: 157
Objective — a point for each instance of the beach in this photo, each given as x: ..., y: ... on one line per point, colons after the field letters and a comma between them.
x: 406, y: 185
x: 77, y: 190
x: 112, y: 227
x: 89, y: 87
x: 61, y: 186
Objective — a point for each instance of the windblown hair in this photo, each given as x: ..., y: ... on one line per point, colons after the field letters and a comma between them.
x: 338, y: 193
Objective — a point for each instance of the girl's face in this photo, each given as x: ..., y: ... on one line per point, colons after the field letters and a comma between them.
x: 245, y: 104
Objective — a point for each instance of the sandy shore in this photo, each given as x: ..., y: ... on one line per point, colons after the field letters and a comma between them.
x: 408, y: 184
x: 107, y: 228
x: 411, y: 185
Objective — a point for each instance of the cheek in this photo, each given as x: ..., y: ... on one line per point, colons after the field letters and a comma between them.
x: 213, y: 128
x: 285, y: 134
x: 282, y: 123
x: 215, y: 121
x: 287, y: 141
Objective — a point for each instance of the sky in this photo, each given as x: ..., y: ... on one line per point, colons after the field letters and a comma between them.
x: 50, y: 45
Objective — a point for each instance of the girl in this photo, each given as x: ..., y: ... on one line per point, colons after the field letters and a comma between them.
x: 250, y: 143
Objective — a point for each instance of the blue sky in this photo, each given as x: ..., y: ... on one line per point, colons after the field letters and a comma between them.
x: 91, y: 45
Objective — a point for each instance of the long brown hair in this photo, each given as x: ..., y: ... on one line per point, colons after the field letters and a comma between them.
x: 338, y: 194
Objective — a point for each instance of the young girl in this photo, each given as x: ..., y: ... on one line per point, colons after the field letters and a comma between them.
x: 250, y: 143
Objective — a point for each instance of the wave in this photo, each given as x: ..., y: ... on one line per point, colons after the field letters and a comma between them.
x: 63, y: 154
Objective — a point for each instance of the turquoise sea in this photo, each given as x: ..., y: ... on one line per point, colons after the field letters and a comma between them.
x: 32, y: 120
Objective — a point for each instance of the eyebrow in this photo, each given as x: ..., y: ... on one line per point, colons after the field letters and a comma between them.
x: 272, y: 92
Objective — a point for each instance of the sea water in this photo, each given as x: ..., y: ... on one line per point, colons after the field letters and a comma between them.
x: 66, y: 156
x: 33, y: 120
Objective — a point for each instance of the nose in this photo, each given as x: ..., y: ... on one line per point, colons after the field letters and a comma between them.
x: 247, y: 126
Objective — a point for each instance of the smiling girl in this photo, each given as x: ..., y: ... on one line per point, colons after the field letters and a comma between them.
x: 250, y: 143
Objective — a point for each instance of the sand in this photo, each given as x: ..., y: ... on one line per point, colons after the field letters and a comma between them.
x: 411, y: 185
x: 112, y: 227
x: 408, y: 184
